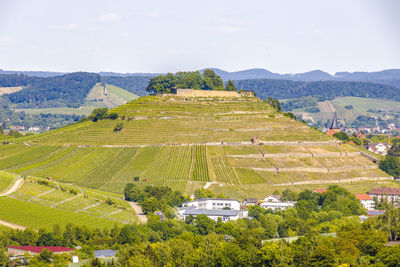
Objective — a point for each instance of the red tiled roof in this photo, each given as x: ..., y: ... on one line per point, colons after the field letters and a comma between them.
x: 38, y: 249
x: 320, y: 190
x: 363, y: 197
x: 384, y: 191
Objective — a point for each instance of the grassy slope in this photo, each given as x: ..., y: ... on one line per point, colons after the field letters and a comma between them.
x: 41, y: 206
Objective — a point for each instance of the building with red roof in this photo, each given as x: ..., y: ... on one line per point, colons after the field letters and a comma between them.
x: 366, y: 200
x: 320, y: 191
x: 34, y: 250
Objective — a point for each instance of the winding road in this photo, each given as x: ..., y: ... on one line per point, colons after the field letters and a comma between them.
x: 13, y: 188
x: 138, y: 211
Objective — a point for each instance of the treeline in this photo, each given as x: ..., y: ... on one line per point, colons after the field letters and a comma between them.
x: 391, y: 163
x: 326, y: 90
x: 188, y: 80
x: 67, y: 90
x: 201, y: 241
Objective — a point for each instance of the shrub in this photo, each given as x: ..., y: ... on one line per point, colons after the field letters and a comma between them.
x: 118, y: 127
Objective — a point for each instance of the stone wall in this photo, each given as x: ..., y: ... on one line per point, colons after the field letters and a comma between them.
x: 205, y: 93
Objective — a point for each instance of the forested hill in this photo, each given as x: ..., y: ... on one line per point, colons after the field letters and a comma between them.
x: 65, y: 90
x: 282, y: 89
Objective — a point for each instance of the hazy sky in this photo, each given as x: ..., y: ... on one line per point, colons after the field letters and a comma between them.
x: 167, y: 36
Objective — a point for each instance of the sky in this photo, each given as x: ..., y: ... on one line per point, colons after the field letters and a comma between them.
x: 285, y: 36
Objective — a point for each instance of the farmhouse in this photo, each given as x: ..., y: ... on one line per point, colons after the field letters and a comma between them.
x: 379, y: 148
x: 34, y: 250
x: 250, y: 201
x: 367, y: 201
x: 389, y: 194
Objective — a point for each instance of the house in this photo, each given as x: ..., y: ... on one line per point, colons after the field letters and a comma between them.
x: 273, y: 198
x: 361, y: 135
x: 320, y: 191
x: 213, y: 204
x: 34, y: 129
x: 274, y: 202
x: 379, y: 148
x: 250, y: 201
x: 367, y: 201
x: 104, y: 253
x: 375, y: 212
x: 34, y: 250
x: 17, y: 128
x: 214, y: 214
x: 389, y: 194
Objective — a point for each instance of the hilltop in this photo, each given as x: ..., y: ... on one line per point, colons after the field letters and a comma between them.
x: 242, y: 147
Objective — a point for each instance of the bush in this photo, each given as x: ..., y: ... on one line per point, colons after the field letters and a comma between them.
x: 112, y: 116
x: 118, y: 127
x: 341, y: 136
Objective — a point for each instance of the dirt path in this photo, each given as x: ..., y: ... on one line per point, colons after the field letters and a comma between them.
x: 12, y: 225
x: 14, y: 187
x: 138, y: 211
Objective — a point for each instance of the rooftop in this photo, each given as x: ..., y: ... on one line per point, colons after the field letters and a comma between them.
x: 384, y: 191
x: 38, y: 249
x: 363, y: 197
x: 104, y: 253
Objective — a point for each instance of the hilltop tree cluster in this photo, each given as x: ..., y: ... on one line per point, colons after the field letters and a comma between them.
x: 391, y: 162
x: 188, y: 80
x: 201, y: 241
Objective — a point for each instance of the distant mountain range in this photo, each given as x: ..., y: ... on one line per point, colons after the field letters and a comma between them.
x: 258, y: 73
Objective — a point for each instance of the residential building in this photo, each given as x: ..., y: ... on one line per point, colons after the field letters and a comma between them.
x: 274, y: 202
x: 214, y: 214
x: 35, y: 250
x: 320, y: 191
x: 250, y: 201
x: 379, y: 148
x: 390, y: 194
x: 367, y: 201
x: 213, y: 204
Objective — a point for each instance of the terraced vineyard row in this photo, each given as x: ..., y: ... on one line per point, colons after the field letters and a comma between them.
x: 224, y: 173
x: 200, y: 168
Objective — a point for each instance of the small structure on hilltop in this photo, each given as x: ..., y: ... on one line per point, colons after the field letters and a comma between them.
x: 334, y: 126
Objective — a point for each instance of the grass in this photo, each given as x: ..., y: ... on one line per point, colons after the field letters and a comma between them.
x: 121, y: 93
x: 37, y: 216
x: 6, y: 180
x: 72, y: 200
x: 83, y: 110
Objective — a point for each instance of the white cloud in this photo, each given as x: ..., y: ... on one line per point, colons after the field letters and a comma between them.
x: 110, y: 17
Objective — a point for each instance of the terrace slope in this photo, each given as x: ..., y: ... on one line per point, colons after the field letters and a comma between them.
x: 185, y: 144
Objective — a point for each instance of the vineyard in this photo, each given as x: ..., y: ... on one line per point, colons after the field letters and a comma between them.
x: 41, y: 204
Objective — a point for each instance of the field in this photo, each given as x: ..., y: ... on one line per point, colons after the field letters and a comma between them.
x: 84, y: 110
x: 39, y: 203
x: 6, y: 180
x: 10, y: 90
x: 360, y: 105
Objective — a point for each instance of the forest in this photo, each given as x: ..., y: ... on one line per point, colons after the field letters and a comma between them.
x: 324, y: 90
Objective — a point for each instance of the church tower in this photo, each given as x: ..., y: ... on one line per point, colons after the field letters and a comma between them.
x: 334, y: 126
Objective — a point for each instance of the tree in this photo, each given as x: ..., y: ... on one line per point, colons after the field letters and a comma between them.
x: 98, y: 114
x: 274, y: 103
x: 341, y: 136
x: 391, y: 165
x: 204, y: 225
x: 150, y: 205
x: 212, y: 81
x: 230, y: 86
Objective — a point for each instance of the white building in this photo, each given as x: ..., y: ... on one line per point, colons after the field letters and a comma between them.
x: 213, y: 208
x: 390, y: 194
x: 273, y: 202
x: 367, y: 201
x: 214, y: 214
x: 379, y: 148
x: 213, y: 204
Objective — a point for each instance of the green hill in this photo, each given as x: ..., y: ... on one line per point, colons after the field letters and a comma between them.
x: 187, y: 144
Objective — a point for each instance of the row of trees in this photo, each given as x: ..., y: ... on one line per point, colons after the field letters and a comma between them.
x: 201, y: 241
x: 190, y: 80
